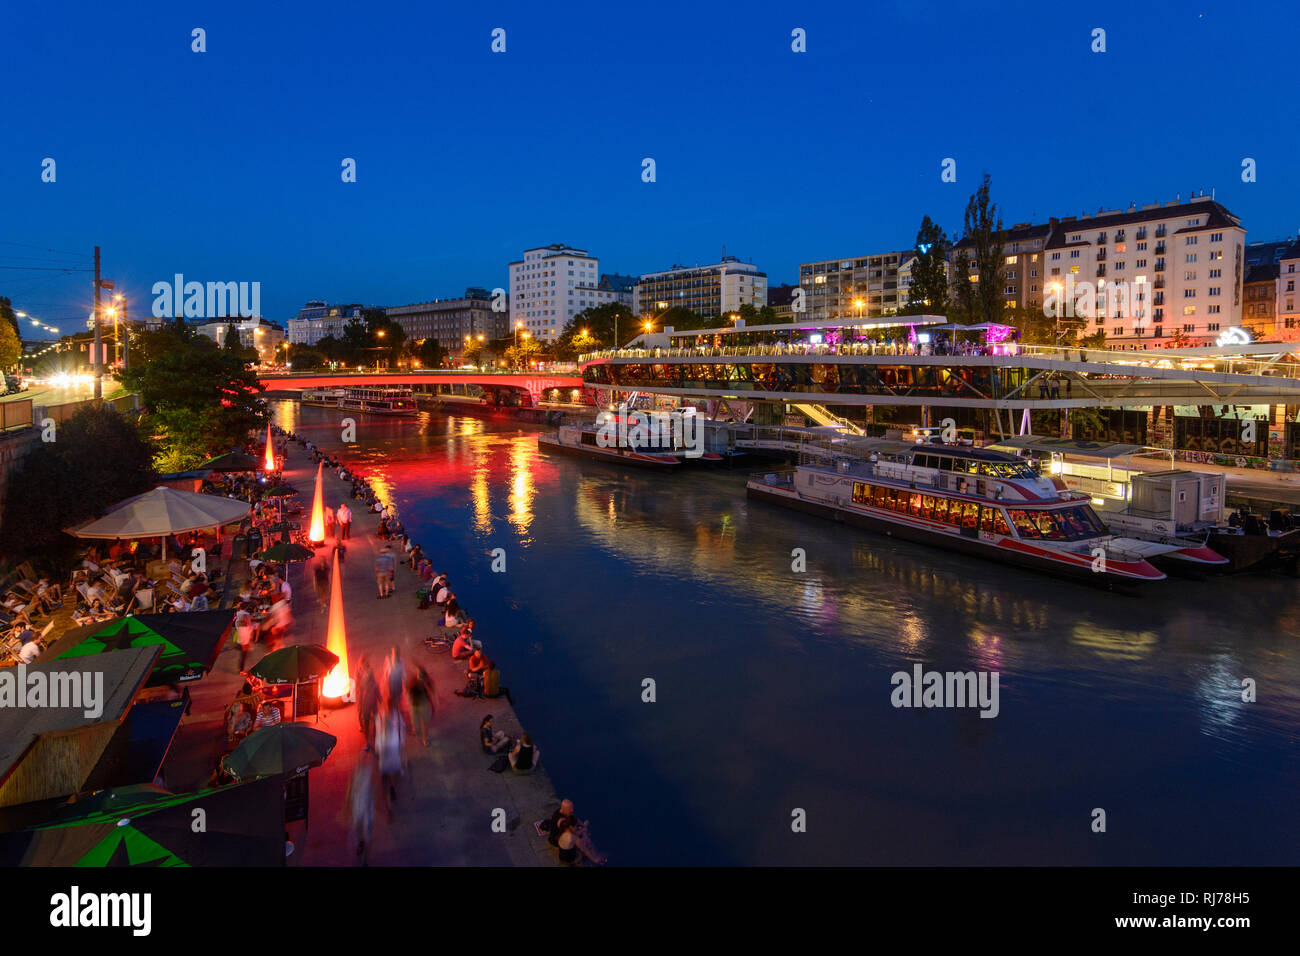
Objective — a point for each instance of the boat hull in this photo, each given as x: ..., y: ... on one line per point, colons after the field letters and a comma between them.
x: 1020, y: 554
x: 631, y: 459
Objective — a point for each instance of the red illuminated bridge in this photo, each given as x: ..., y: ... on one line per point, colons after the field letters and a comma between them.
x: 532, y: 384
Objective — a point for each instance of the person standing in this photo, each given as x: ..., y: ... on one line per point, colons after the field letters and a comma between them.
x: 385, y: 571
x: 329, y: 522
x: 344, y: 517
x: 244, y: 631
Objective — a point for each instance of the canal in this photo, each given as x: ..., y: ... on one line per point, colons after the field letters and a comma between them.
x: 773, y: 687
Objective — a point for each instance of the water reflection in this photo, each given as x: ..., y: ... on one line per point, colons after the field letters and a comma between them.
x: 779, y: 680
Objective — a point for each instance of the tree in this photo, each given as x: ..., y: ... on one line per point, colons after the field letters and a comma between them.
x: 198, y: 401
x: 300, y: 356
x: 928, y: 292
x: 9, y: 316
x: 97, y: 459
x: 473, y: 352
x: 11, y: 346
x: 429, y: 353
x: 981, y: 300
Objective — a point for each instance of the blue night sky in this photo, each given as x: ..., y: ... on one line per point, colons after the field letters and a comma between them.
x: 225, y: 165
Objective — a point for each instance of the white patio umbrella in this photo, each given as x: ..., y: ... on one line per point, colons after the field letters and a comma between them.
x: 161, y: 512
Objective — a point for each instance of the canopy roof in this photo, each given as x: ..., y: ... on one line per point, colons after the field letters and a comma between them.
x: 1084, y: 449
x: 244, y: 827
x: 163, y: 511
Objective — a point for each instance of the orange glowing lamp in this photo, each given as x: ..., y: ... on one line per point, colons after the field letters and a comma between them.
x: 337, y: 684
x: 317, y: 530
x: 270, y: 450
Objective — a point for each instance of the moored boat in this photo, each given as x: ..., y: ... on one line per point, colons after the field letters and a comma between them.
x: 584, y: 442
x: 380, y: 400
x: 975, y: 501
x: 322, y: 397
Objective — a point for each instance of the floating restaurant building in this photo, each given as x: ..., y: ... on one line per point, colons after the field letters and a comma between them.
x: 1233, y: 400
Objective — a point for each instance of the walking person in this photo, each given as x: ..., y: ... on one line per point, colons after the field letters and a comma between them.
x: 421, y: 693
x: 344, y: 517
x: 395, y: 684
x: 321, y: 579
x: 361, y: 805
x: 390, y: 741
x: 367, y: 701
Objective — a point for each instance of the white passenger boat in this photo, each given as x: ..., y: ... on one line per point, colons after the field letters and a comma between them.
x: 323, y: 397
x: 380, y: 400
x: 979, y: 502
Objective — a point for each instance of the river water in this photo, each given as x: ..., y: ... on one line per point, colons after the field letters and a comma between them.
x: 773, y: 687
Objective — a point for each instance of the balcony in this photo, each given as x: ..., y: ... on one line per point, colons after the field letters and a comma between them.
x: 1101, y: 270
x: 1160, y: 265
x: 1160, y: 248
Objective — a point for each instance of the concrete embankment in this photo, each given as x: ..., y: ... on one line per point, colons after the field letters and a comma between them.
x: 449, y: 799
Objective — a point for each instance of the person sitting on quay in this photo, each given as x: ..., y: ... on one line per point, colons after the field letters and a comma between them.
x: 464, y: 645
x: 478, y: 663
x: 451, y: 616
x: 440, y: 590
x: 425, y: 570
x: 200, y: 603
x: 524, y: 757
x: 382, y: 530
x: 492, y: 741
x: 492, y: 688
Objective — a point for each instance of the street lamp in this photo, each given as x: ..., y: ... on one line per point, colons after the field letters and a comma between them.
x: 858, y: 304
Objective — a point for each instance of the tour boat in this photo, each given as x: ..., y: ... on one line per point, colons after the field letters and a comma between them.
x: 971, y: 500
x: 583, y: 442
x: 325, y: 397
x: 380, y: 400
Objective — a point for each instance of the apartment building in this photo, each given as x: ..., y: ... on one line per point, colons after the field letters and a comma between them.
x: 854, y: 288
x: 1287, y: 320
x: 551, y: 284
x: 450, y: 321
x: 1023, y: 249
x: 319, y: 319
x: 709, y: 290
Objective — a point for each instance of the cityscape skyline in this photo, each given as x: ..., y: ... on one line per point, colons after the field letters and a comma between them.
x: 773, y: 146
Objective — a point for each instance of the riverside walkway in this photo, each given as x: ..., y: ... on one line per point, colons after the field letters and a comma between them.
x: 447, y: 800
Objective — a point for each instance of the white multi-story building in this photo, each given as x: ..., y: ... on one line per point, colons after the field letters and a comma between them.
x: 254, y: 333
x: 552, y: 284
x: 1159, y: 271
x: 706, y: 290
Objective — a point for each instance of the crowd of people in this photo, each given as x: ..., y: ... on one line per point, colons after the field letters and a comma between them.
x: 396, y: 697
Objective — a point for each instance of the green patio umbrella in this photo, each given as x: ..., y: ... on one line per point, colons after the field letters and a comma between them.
x: 191, y: 642
x: 298, y: 662
x: 279, y: 749
x: 280, y: 527
x: 231, y: 461
x: 284, y: 552
x: 280, y: 491
x: 243, y: 825
x: 112, y: 800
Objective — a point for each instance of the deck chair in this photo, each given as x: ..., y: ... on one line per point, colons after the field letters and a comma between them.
x: 45, y: 631
x: 143, y: 600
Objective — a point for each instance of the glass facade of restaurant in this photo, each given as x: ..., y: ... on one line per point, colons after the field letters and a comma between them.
x: 928, y: 381
x: 1210, y: 433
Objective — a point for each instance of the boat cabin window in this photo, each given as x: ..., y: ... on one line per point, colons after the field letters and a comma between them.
x: 945, y: 464
x: 1005, y: 469
x: 992, y: 520
x: 1058, y: 524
